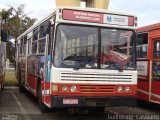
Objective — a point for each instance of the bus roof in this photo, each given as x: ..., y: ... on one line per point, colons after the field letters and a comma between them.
x: 149, y: 27
x: 93, y: 10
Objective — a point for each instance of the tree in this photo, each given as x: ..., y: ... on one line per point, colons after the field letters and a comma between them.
x: 5, y: 15
x: 15, y: 22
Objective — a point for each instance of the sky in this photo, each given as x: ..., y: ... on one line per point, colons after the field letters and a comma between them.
x: 147, y: 11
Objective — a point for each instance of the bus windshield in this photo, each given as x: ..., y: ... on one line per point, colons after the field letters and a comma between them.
x: 94, y: 47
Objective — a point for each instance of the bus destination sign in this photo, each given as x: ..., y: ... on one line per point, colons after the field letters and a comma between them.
x: 82, y: 16
x: 93, y: 17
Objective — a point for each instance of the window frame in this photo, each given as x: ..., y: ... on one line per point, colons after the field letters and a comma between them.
x: 99, y: 42
x: 144, y: 43
x: 155, y: 47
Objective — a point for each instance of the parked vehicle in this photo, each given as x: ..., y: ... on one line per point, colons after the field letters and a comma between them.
x: 148, y: 63
x: 3, y: 39
x: 79, y: 58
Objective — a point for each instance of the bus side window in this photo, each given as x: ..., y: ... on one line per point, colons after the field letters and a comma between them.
x: 44, y: 29
x: 24, y: 49
x: 35, y: 34
x: 34, y: 47
x: 157, y: 49
x: 25, y: 39
x: 21, y: 50
x: 24, y: 44
x: 34, y: 43
x: 29, y: 46
x: 142, y: 45
x: 41, y: 44
x: 21, y: 43
x: 21, y: 46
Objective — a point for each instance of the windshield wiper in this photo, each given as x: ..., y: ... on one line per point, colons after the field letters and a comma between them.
x: 116, y: 65
x: 71, y: 57
x: 83, y: 63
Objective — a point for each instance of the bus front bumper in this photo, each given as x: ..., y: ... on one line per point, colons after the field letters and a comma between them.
x: 70, y: 101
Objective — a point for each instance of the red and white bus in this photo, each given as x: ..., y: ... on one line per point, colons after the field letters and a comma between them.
x: 79, y: 57
x: 148, y: 63
x: 3, y: 38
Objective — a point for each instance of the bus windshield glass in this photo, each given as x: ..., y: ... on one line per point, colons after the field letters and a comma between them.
x: 93, y: 47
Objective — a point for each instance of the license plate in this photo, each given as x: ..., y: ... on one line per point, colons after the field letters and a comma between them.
x: 70, y: 101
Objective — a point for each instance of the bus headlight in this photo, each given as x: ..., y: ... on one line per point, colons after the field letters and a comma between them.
x: 119, y: 89
x: 64, y: 88
x: 127, y: 89
x: 73, y: 88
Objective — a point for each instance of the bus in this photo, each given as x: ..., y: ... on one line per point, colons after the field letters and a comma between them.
x: 79, y: 57
x: 3, y: 39
x: 148, y: 63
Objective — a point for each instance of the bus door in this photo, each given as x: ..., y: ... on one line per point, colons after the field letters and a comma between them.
x: 155, y: 72
x: 46, y: 85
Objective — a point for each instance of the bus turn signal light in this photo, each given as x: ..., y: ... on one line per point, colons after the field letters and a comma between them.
x: 55, y: 88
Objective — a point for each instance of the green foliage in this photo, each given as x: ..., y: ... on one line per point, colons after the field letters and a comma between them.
x: 15, y: 23
x: 10, y: 52
x: 10, y: 79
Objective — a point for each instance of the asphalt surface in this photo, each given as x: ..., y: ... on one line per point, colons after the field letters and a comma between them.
x: 15, y: 105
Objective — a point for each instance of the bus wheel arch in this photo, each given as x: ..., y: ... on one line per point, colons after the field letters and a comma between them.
x: 43, y: 107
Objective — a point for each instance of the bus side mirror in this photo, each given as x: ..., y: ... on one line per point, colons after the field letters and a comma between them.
x: 4, y: 36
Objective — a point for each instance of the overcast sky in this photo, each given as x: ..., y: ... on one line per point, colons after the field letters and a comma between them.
x: 147, y: 11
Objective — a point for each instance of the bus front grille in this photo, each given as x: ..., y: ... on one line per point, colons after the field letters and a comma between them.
x: 97, y: 77
x: 97, y: 88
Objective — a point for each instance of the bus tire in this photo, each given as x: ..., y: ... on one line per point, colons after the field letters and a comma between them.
x: 43, y: 107
x: 21, y: 87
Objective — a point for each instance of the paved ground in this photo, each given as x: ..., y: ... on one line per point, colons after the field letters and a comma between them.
x: 18, y: 106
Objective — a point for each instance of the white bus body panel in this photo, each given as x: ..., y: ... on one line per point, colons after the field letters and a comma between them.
x: 93, y: 76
